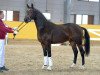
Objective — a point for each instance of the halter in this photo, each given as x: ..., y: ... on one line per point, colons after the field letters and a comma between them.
x: 21, y: 26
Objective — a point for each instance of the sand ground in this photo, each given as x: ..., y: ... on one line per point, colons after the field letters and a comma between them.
x: 26, y: 58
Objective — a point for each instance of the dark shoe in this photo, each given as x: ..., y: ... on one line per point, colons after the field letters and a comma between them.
x: 4, y: 68
x: 1, y: 70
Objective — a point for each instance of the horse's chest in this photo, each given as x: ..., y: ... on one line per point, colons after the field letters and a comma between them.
x: 44, y: 37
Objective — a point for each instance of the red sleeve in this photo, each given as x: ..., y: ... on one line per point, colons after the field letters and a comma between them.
x: 6, y: 29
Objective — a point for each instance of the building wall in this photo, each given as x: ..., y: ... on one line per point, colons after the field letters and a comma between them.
x: 60, y: 9
x: 14, y: 5
x: 55, y: 7
x: 86, y: 8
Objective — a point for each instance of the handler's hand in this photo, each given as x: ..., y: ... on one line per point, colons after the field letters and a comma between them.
x: 15, y: 28
x: 15, y: 32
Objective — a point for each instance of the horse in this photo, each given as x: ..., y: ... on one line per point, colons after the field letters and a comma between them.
x: 49, y: 33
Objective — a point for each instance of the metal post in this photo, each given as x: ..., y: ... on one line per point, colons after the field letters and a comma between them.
x: 46, y: 6
x: 67, y: 11
x: 99, y: 11
x: 6, y: 39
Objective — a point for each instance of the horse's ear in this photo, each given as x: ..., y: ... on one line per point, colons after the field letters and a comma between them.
x: 32, y: 5
x: 27, y: 6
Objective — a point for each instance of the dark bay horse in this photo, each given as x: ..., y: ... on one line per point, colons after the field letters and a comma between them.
x: 49, y: 33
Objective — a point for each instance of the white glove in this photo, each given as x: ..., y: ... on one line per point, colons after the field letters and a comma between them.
x: 15, y: 28
x: 15, y: 32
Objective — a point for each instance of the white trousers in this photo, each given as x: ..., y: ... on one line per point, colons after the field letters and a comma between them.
x: 2, y: 52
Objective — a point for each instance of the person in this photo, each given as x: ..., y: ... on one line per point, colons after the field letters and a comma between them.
x: 3, y: 31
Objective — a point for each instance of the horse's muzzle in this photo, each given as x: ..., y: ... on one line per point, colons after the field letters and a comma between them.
x: 26, y: 20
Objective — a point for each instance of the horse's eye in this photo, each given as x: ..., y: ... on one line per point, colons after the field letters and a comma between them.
x: 31, y: 11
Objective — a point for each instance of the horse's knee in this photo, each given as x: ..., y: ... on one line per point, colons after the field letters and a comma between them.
x: 83, y: 52
x: 45, y: 53
x: 76, y: 51
x: 49, y: 53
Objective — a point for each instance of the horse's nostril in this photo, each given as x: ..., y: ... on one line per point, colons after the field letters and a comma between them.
x: 29, y: 20
x: 25, y: 19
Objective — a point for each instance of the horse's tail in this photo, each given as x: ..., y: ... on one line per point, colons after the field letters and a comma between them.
x: 87, y: 41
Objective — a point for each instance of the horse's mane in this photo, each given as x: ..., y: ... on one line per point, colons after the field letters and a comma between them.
x: 39, y: 14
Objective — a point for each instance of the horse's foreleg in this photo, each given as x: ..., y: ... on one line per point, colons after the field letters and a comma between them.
x: 45, y: 57
x: 75, y: 53
x: 50, y: 64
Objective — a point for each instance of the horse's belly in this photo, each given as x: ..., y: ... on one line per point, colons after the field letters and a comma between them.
x: 59, y: 37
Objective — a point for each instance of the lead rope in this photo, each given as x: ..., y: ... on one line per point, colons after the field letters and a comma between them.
x: 19, y: 28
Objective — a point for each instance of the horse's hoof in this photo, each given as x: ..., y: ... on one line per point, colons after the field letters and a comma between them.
x: 44, y: 67
x: 82, y: 67
x: 49, y: 68
x: 73, y: 65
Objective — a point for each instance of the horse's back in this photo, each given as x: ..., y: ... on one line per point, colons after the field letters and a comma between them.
x: 73, y: 28
x: 75, y: 31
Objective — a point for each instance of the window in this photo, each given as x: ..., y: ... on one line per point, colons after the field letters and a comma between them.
x: 78, y: 19
x: 15, y: 15
x: 90, y: 19
x: 94, y: 0
x: 83, y: 0
x: 11, y: 15
x: 47, y: 16
x: 83, y: 19
x: 90, y: 0
x: 4, y: 15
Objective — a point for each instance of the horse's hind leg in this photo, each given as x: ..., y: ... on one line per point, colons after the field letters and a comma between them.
x: 82, y: 55
x: 75, y: 53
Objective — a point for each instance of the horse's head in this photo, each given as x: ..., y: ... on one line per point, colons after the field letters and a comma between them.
x: 30, y: 14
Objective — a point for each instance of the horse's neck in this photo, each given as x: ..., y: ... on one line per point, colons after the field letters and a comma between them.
x: 40, y: 22
x: 44, y: 25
